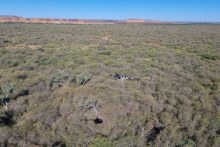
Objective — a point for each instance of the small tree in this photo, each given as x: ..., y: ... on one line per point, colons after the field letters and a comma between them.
x: 61, y: 78
x: 5, y: 92
x: 82, y: 80
x: 92, y: 104
x: 123, y: 77
x: 66, y: 77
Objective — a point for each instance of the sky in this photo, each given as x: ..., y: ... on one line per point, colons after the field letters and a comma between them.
x: 167, y: 10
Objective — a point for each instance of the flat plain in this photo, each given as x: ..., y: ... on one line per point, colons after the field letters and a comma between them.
x: 54, y: 78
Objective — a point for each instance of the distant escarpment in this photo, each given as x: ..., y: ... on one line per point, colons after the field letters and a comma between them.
x: 5, y: 18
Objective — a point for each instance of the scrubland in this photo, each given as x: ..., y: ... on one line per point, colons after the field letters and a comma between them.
x: 53, y: 76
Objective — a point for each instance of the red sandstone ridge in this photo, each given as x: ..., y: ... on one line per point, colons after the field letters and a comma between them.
x: 4, y: 18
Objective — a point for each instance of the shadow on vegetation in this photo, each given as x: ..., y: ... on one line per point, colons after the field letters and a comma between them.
x: 153, y: 134
x: 24, y: 92
x: 218, y: 131
x: 98, y: 121
x: 7, y: 119
x: 58, y: 144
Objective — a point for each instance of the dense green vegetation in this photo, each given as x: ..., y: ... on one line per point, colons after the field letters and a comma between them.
x: 56, y: 77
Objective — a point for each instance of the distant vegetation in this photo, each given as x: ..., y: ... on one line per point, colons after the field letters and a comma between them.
x: 109, y: 85
x: 17, y: 19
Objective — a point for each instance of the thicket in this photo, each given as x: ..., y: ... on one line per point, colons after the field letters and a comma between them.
x: 59, y: 83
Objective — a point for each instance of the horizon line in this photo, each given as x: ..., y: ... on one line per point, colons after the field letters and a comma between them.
x: 144, y: 19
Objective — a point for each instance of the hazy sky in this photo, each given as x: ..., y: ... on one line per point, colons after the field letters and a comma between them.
x: 174, y: 10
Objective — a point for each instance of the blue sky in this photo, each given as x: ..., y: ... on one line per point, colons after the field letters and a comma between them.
x: 170, y: 10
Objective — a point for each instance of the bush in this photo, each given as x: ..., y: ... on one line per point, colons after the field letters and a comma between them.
x: 61, y: 78
x: 66, y: 77
x: 100, y: 141
x: 106, y: 53
x: 83, y: 79
x: 209, y: 56
x: 6, y: 91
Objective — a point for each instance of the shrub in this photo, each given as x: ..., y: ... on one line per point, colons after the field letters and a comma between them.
x: 66, y: 77
x: 190, y: 143
x: 209, y: 56
x: 100, y: 141
x: 5, y: 92
x: 106, y: 53
x: 83, y: 79
x: 61, y: 78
